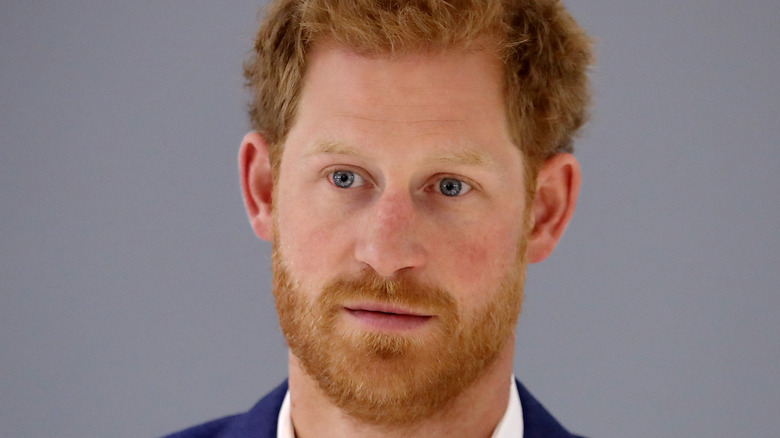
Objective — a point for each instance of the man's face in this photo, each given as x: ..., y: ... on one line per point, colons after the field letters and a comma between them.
x: 399, y: 216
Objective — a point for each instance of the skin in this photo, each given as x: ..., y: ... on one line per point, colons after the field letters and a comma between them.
x: 399, y: 126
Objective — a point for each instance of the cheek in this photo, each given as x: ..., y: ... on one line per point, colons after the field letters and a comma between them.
x: 478, y: 261
x: 310, y: 248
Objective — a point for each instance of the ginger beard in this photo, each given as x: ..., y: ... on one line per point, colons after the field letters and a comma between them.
x: 391, y: 379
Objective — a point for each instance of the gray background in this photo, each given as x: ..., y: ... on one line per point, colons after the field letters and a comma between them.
x: 135, y: 298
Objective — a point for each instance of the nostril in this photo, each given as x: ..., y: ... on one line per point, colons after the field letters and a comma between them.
x: 388, y: 256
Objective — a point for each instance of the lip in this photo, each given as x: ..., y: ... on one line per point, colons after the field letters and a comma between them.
x: 387, y: 318
x: 384, y: 308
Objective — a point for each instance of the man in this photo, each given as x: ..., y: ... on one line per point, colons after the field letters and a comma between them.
x: 408, y: 159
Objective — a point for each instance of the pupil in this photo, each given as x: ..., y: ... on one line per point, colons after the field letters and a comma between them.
x: 450, y: 187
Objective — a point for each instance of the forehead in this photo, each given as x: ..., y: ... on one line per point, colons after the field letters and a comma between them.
x: 437, y: 83
x: 445, y: 103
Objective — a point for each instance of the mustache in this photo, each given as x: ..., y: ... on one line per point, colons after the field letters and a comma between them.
x: 402, y: 291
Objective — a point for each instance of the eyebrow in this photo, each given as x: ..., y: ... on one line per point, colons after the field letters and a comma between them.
x: 332, y: 147
x: 468, y: 156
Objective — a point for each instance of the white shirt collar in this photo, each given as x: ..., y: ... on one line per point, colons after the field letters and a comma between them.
x: 510, y: 426
x: 284, y: 427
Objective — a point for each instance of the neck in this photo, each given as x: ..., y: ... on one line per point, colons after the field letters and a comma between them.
x: 475, y: 412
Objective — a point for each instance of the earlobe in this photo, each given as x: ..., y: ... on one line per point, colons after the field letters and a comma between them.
x: 254, y: 168
x: 558, y: 184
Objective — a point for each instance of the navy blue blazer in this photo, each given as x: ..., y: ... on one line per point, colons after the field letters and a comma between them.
x: 260, y: 421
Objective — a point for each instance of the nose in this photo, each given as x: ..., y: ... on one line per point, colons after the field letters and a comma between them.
x: 390, y: 239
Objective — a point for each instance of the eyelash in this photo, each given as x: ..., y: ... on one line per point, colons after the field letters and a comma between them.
x: 358, y: 176
x: 330, y: 174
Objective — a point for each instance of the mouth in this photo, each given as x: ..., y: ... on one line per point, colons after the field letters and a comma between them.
x: 387, y: 318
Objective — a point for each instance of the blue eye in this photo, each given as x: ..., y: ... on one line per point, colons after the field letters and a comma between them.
x: 453, y: 187
x: 342, y: 178
x: 345, y: 179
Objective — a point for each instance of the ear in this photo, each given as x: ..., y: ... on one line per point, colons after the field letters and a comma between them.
x: 557, y: 187
x: 254, y: 168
